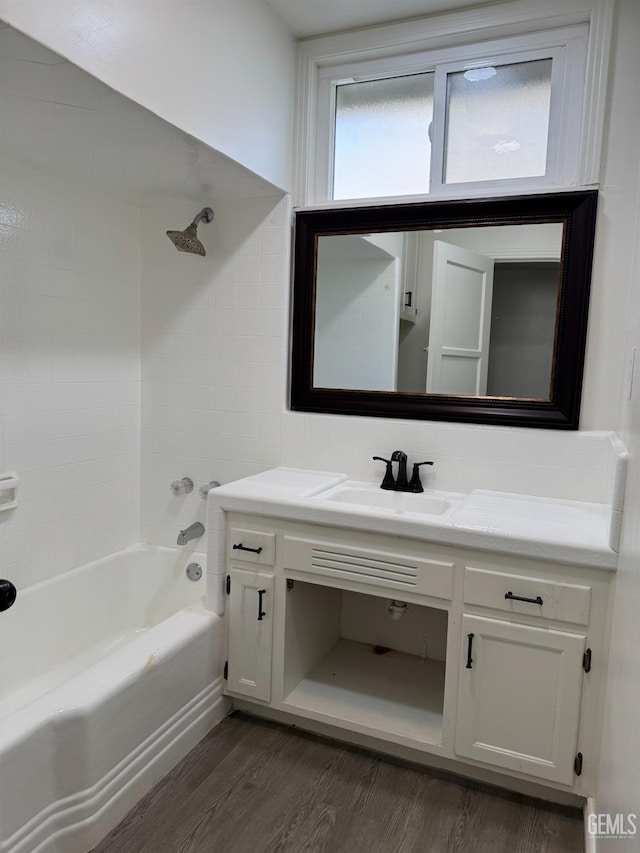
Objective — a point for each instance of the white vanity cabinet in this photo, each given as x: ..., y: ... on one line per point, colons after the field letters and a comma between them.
x: 521, y: 677
x: 486, y: 667
x: 250, y: 632
x: 250, y: 611
x: 519, y: 697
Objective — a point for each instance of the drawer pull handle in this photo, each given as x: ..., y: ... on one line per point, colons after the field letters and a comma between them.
x: 242, y: 547
x: 513, y: 597
x: 469, y: 647
x: 261, y: 613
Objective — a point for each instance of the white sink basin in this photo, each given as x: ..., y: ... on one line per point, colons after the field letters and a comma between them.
x: 365, y: 494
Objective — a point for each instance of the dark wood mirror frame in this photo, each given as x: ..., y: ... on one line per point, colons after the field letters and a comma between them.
x: 577, y: 213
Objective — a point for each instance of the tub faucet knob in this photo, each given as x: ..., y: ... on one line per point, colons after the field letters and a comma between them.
x: 204, y: 490
x: 182, y: 487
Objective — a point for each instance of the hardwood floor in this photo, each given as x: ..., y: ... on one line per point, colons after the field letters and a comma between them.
x: 256, y: 787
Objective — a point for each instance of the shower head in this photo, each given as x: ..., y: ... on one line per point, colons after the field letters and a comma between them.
x: 187, y: 240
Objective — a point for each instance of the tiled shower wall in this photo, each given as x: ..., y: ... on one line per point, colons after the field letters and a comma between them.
x: 215, y: 362
x: 69, y: 373
x: 213, y: 354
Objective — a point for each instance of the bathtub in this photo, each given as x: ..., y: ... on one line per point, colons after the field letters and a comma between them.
x: 109, y: 675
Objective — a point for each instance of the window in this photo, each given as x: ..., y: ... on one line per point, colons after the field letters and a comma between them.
x: 381, y: 139
x: 500, y: 115
x: 497, y: 123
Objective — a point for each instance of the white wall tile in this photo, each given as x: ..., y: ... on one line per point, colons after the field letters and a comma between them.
x: 25, y: 79
x: 69, y: 370
x: 248, y: 268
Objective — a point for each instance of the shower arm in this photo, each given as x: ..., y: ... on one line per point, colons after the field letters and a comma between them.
x: 206, y: 214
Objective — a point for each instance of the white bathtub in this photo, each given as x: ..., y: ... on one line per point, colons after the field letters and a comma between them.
x: 109, y: 675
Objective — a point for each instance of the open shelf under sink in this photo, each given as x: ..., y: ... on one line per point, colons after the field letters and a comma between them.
x: 393, y: 693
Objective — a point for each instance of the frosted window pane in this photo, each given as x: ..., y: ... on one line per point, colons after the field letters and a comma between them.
x: 498, y: 122
x: 382, y: 144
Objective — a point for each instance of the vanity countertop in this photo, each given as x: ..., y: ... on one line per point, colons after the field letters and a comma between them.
x: 573, y: 532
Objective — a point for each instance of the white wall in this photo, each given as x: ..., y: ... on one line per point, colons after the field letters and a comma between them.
x: 356, y: 330
x: 222, y: 70
x: 619, y: 786
x: 69, y: 373
x: 604, y: 376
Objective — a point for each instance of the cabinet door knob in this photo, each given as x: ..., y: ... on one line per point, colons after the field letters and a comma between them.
x: 469, y: 647
x: 261, y: 613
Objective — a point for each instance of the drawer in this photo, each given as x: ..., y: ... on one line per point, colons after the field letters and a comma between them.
x: 251, y: 546
x: 396, y: 572
x: 563, y: 602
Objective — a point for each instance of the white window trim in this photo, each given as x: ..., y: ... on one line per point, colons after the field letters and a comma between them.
x: 405, y: 45
x: 563, y: 45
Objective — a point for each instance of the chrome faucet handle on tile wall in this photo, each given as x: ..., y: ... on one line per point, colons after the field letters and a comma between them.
x: 181, y: 487
x: 204, y: 490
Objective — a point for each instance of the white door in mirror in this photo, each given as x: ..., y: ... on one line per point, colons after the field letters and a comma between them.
x: 460, y: 324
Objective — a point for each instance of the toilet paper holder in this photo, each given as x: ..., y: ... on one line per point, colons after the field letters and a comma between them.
x: 8, y: 491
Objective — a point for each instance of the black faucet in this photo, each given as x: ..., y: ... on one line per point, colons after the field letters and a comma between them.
x: 400, y: 457
x: 400, y: 483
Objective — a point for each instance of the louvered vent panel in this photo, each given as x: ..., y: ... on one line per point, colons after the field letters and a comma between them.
x: 364, y: 567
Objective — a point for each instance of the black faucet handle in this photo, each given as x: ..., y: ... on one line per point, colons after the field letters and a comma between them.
x: 388, y: 481
x: 415, y: 485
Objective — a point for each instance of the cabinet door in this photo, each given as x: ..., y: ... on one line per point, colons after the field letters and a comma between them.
x: 519, y: 700
x: 250, y: 633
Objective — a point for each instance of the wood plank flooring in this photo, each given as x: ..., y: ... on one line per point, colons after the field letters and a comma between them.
x: 257, y: 787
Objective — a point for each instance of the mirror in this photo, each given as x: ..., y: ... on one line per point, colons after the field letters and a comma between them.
x: 467, y: 311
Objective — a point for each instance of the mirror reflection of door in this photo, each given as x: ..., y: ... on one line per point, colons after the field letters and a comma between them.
x: 469, y: 339
x: 461, y: 298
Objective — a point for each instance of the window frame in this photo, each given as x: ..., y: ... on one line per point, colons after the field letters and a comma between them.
x: 578, y: 92
x: 558, y: 169
x: 566, y: 47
